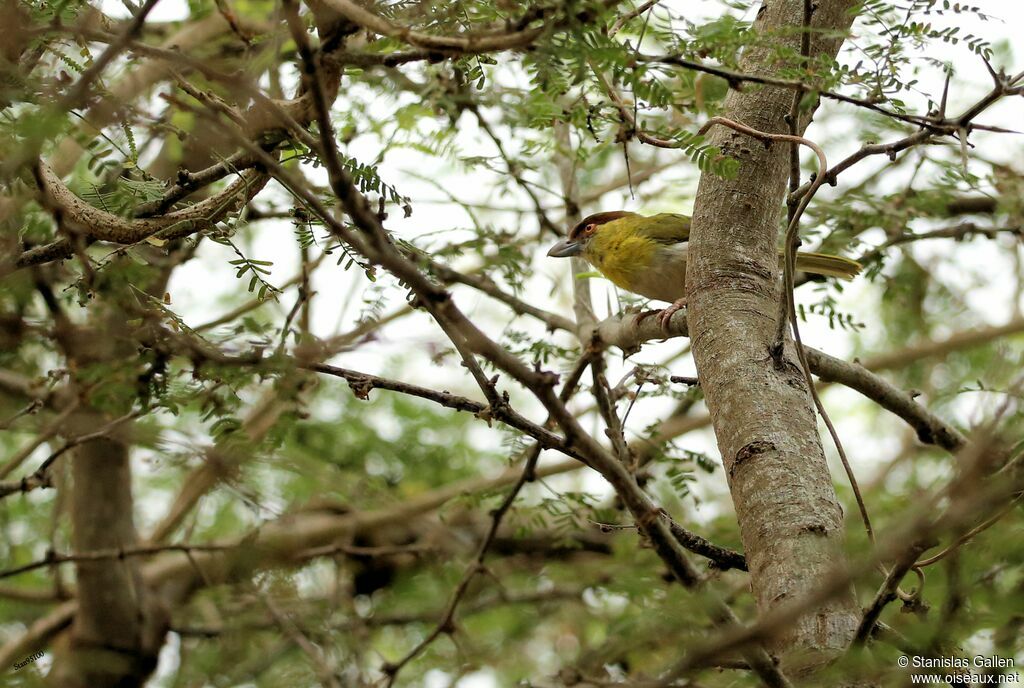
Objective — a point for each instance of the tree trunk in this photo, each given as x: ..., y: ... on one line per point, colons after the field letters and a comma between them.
x: 119, y: 626
x: 790, y: 519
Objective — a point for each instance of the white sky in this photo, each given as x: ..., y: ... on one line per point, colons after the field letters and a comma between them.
x: 205, y: 287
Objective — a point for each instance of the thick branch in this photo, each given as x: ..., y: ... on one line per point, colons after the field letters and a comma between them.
x: 930, y: 428
x: 468, y: 43
x: 623, y: 333
x: 78, y: 217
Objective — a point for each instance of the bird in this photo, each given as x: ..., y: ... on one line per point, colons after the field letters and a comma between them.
x: 647, y: 255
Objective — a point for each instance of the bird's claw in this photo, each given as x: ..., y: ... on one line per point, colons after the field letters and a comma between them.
x: 640, y: 317
x: 665, y: 317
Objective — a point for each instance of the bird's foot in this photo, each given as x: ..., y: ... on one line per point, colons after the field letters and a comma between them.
x: 643, y: 315
x: 666, y: 315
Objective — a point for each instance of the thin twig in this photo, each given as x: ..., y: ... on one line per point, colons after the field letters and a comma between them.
x: 41, y: 477
x: 54, y: 558
x: 514, y: 169
x: 362, y: 383
x: 52, y: 428
x: 958, y: 232
x: 887, y: 593
x: 628, y: 16
x: 969, y: 535
x: 446, y: 625
x: 735, y: 80
x: 324, y: 672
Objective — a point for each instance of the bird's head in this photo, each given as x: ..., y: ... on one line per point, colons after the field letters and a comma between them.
x: 582, y: 233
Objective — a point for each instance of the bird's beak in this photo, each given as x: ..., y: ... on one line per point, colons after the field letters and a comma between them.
x: 565, y: 248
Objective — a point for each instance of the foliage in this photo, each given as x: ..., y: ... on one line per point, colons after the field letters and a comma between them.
x: 463, y: 157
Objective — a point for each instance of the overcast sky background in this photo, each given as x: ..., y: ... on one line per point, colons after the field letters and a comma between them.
x: 206, y: 287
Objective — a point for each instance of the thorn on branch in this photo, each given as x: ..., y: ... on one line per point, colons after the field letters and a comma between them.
x: 415, y: 301
x: 486, y: 415
x: 184, y: 178
x: 915, y: 605
x: 361, y: 389
x: 648, y: 519
x: 997, y: 77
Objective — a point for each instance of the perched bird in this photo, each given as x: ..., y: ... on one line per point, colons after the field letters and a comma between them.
x: 647, y: 255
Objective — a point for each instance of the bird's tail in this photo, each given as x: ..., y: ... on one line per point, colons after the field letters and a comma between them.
x: 828, y: 265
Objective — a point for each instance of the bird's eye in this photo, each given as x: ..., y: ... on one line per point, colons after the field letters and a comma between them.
x: 589, y: 229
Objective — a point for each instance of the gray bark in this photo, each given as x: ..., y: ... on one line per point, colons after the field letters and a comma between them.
x: 118, y: 629
x: 790, y: 519
x: 119, y: 625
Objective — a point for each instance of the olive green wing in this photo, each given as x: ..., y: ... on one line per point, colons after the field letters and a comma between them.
x: 665, y: 228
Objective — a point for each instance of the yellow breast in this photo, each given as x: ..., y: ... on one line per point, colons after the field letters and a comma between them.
x: 638, y: 264
x: 621, y: 256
